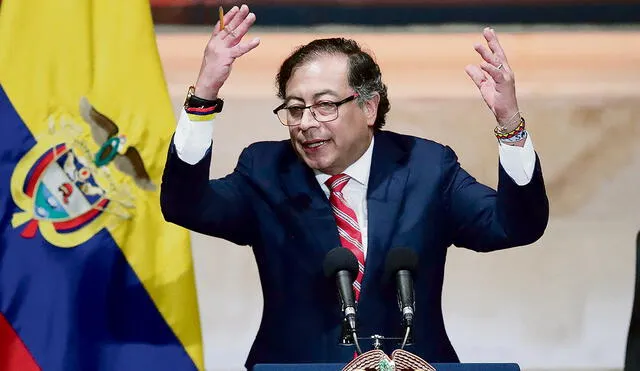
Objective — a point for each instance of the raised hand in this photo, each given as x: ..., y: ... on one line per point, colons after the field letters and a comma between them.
x: 495, y: 80
x: 223, y: 48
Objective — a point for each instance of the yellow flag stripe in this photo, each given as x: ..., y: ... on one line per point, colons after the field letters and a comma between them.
x: 55, y: 52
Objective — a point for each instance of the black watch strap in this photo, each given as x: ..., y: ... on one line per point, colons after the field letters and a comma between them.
x: 193, y: 101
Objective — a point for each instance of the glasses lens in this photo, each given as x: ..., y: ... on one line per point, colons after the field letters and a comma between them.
x: 283, y: 116
x: 290, y: 115
x: 325, y: 111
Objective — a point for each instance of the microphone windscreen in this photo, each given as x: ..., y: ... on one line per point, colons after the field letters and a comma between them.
x: 339, y: 259
x: 400, y: 258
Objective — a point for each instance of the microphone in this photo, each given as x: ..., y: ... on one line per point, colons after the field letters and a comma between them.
x: 401, y: 263
x: 343, y: 265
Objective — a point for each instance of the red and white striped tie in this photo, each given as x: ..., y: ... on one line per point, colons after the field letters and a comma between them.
x: 347, y: 222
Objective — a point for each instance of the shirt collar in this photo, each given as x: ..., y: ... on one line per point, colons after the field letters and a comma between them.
x: 358, y: 171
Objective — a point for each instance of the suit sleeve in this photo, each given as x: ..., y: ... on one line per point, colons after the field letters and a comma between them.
x: 219, y: 207
x: 483, y: 219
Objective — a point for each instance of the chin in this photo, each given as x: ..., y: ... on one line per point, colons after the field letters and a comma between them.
x: 316, y: 163
x: 313, y: 163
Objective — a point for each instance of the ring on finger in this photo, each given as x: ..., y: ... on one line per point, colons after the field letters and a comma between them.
x: 499, y: 66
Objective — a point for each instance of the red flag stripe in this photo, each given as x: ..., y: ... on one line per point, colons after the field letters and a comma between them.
x: 14, y: 355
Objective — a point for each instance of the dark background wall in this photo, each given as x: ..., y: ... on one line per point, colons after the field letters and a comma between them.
x: 403, y: 12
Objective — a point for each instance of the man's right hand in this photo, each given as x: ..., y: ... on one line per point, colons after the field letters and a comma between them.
x: 222, y: 49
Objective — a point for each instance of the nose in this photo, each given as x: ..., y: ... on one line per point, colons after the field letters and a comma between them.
x: 307, y: 120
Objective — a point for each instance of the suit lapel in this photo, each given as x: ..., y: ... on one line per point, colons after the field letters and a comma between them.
x: 313, y: 219
x: 385, y: 193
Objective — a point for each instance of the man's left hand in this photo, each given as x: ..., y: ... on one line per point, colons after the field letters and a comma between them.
x: 495, y: 80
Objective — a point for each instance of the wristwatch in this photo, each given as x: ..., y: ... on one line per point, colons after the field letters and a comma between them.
x: 193, y: 101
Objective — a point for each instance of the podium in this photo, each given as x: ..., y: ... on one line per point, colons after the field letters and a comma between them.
x: 438, y: 367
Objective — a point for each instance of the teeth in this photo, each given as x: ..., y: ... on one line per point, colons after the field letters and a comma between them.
x: 317, y: 144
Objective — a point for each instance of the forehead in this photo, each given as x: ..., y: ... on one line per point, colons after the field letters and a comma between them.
x: 322, y: 73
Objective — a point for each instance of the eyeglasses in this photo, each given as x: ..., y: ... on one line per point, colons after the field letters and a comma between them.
x: 324, y: 111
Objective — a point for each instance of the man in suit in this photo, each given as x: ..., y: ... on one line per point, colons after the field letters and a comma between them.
x: 340, y: 180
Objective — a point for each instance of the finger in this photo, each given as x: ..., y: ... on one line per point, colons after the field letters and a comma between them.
x: 227, y: 18
x: 476, y: 74
x: 236, y: 35
x: 494, y: 44
x: 241, y: 49
x: 487, y: 55
x: 496, y: 74
x: 487, y: 76
x: 243, y: 12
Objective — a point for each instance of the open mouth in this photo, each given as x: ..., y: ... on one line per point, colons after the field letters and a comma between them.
x: 313, y: 144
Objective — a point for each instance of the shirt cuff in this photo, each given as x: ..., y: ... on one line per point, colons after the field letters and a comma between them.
x: 518, y: 162
x: 193, y: 138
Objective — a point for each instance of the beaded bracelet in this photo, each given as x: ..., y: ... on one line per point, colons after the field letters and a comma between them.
x: 518, y: 130
x: 516, y: 138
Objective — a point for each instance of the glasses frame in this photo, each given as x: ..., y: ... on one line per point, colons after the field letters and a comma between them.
x: 311, y: 108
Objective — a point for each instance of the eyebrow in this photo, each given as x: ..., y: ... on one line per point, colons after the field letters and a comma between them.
x: 315, y: 96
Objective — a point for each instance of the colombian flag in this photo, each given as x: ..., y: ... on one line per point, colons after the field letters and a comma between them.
x: 91, y: 276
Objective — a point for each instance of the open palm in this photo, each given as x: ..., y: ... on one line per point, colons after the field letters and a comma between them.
x: 223, y: 48
x: 495, y: 79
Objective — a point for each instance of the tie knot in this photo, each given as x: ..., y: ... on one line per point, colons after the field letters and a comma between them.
x: 337, y: 182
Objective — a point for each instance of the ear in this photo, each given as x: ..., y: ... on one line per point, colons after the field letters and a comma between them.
x: 370, y: 109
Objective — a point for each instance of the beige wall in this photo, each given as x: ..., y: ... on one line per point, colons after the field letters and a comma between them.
x: 563, y: 302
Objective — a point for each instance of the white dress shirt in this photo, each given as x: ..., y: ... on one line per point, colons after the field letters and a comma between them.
x: 193, y: 138
x: 355, y: 192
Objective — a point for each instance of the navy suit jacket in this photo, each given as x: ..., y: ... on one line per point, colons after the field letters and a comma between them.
x: 418, y: 197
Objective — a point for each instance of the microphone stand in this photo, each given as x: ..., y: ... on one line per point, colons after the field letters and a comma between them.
x: 349, y: 336
x: 408, y: 337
